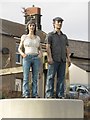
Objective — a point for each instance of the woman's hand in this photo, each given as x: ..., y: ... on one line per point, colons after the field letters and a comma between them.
x: 24, y: 55
x: 40, y: 55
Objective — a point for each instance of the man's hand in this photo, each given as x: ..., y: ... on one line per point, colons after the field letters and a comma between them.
x: 69, y: 62
x: 50, y: 60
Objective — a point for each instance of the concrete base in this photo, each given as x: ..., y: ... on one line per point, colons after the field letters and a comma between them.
x: 41, y: 108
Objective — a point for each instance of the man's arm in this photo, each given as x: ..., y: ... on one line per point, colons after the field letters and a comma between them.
x: 49, y: 56
x: 68, y: 55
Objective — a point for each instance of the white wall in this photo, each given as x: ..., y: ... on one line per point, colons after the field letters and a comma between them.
x: 78, y: 75
x: 89, y: 78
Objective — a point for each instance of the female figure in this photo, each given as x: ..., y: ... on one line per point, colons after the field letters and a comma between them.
x: 31, y: 58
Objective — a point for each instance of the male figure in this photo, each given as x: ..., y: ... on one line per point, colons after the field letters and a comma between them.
x: 58, y: 50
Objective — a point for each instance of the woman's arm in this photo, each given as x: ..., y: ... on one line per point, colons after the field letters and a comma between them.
x: 40, y: 52
x: 20, y: 48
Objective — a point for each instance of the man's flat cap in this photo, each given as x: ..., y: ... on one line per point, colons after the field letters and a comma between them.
x: 58, y: 19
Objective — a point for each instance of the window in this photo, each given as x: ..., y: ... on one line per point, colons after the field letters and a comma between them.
x: 18, y: 56
x: 18, y: 84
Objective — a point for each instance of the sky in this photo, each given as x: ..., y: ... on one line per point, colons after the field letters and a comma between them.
x: 74, y: 13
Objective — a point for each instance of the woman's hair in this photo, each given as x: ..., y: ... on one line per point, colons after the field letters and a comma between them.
x: 30, y: 22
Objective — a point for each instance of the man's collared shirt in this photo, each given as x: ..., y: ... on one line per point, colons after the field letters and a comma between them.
x: 58, y: 45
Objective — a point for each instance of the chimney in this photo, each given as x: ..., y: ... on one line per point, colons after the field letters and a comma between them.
x: 33, y: 13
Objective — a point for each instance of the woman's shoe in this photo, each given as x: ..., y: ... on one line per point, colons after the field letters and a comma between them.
x: 25, y: 97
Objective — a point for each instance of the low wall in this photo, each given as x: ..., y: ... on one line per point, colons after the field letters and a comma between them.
x: 41, y: 108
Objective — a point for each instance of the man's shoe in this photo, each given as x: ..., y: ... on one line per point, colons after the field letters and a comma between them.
x: 50, y: 97
x: 35, y: 97
x: 60, y: 97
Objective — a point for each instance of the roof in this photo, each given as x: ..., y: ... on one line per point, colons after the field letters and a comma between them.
x: 11, y: 28
x: 80, y: 54
x: 42, y: 35
x: 16, y: 29
x: 79, y: 48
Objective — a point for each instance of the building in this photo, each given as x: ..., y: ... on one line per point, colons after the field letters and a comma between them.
x: 11, y: 72
x: 8, y: 31
x: 80, y: 68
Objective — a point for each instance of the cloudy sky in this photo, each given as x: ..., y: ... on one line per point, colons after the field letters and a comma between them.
x: 74, y: 13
